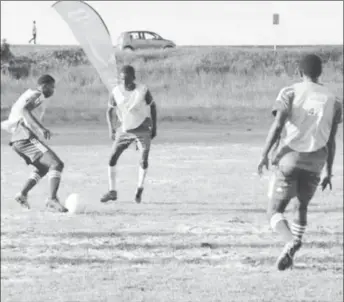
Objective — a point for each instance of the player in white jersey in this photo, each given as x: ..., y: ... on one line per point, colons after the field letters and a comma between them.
x: 24, y: 128
x: 309, y: 114
x: 136, y: 111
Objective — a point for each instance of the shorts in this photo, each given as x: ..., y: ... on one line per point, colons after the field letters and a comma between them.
x: 30, y: 149
x: 290, y: 182
x: 141, y: 135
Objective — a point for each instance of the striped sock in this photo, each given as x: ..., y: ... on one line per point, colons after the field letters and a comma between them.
x: 298, y: 230
x: 54, y: 180
x: 31, y: 182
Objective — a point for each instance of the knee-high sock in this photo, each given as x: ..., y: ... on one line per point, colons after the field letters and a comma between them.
x: 142, y: 176
x: 31, y: 182
x: 54, y: 181
x: 112, y: 178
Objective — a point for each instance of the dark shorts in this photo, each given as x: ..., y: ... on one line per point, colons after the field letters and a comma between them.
x: 290, y: 182
x: 30, y: 149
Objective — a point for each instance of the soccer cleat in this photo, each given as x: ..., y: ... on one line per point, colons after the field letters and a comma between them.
x: 109, y: 196
x: 286, y: 259
x: 138, y: 196
x: 22, y: 200
x: 55, y: 205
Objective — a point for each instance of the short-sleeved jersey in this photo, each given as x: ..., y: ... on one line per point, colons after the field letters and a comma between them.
x: 16, y: 123
x: 312, y: 110
x: 132, y: 107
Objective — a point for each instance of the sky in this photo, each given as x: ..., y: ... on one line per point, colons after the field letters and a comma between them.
x: 187, y: 22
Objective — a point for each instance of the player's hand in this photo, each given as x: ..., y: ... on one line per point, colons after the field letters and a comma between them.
x: 112, y: 134
x: 264, y: 162
x: 326, y: 182
x: 46, y: 133
x: 153, y: 133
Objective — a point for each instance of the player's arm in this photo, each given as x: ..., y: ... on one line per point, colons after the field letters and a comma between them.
x: 281, y: 112
x: 42, y: 113
x: 31, y: 119
x: 111, y: 116
x: 275, y: 131
x: 331, y: 144
x: 153, y: 111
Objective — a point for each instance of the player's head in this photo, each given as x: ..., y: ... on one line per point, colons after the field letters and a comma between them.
x: 310, y: 67
x: 46, y: 84
x: 127, y: 74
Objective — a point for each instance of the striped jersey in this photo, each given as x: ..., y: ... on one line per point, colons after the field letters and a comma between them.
x: 16, y: 124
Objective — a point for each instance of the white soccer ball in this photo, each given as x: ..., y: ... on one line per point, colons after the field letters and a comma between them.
x: 74, y: 204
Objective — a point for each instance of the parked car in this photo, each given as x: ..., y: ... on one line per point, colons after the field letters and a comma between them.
x: 139, y: 39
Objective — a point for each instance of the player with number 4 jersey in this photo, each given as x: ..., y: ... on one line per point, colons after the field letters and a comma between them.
x: 307, y: 115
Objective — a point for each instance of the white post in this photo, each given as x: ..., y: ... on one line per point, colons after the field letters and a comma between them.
x: 275, y: 23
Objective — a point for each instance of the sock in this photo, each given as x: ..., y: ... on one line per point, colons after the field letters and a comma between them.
x: 54, y: 180
x: 298, y: 230
x: 112, y: 178
x: 31, y: 182
x: 280, y: 225
x: 142, y: 176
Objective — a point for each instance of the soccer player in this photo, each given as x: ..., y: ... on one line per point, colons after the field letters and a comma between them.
x: 137, y: 113
x: 23, y: 126
x: 309, y: 114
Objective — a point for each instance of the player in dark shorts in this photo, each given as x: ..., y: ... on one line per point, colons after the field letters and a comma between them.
x: 309, y: 114
x: 136, y: 111
x: 23, y: 126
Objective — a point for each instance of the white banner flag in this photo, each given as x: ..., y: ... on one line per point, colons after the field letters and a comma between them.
x: 94, y: 37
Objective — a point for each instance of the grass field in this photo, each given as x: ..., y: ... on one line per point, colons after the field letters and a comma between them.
x: 201, y: 233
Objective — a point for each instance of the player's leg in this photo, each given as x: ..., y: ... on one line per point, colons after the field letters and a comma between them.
x: 121, y: 143
x: 55, y: 168
x: 307, y: 185
x: 27, y: 150
x: 143, y: 142
x: 282, y: 189
x: 33, y: 180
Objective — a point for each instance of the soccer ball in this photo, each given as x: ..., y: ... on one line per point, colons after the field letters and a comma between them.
x: 74, y: 205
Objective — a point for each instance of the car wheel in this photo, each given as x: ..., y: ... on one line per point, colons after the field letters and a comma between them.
x: 168, y: 47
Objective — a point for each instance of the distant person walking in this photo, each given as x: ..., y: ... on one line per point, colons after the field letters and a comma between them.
x: 34, y: 33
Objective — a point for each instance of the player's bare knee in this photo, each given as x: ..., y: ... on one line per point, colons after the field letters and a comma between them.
x: 42, y: 172
x: 57, y: 165
x: 113, y: 160
x: 144, y: 164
